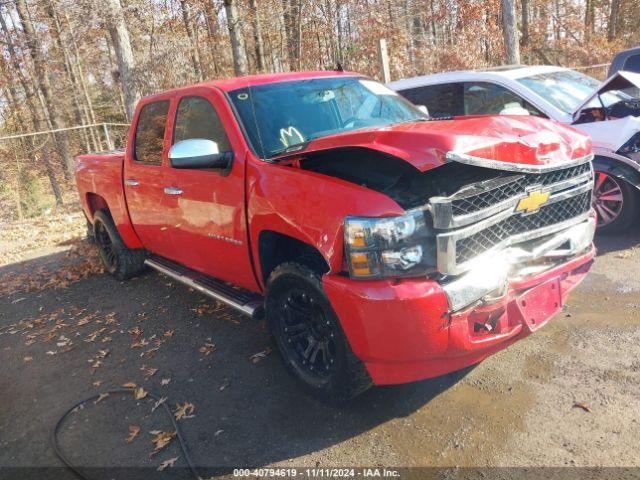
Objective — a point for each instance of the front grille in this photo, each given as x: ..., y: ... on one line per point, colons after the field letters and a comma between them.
x: 468, y: 248
x: 474, y: 202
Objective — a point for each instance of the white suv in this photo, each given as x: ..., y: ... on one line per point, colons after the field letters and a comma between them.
x: 608, y: 111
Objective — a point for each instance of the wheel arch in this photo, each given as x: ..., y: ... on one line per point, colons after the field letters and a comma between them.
x: 275, y: 248
x: 624, y: 169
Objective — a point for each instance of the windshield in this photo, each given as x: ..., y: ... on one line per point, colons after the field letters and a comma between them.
x: 277, y: 116
x: 567, y: 89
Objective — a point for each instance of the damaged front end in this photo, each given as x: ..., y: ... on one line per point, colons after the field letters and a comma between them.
x: 510, y: 227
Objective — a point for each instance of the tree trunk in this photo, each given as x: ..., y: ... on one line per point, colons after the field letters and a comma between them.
x: 525, y: 23
x: 613, y: 20
x: 80, y: 114
x: 238, y: 51
x: 195, y: 54
x: 121, y: 40
x: 510, y: 31
x: 44, y: 85
x: 257, y: 35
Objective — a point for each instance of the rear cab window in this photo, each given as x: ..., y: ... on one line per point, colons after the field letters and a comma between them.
x: 149, y: 137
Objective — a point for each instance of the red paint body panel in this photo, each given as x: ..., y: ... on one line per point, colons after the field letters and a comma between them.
x: 101, y: 175
x: 402, y: 330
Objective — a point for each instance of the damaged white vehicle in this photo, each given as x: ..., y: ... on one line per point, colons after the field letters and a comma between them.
x: 608, y: 111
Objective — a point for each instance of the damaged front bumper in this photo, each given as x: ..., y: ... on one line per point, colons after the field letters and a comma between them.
x: 408, y: 330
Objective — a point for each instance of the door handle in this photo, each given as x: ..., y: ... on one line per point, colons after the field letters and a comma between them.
x: 172, y: 191
x: 132, y: 182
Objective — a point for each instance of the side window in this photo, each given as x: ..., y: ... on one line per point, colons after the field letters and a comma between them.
x: 196, y: 118
x: 441, y: 100
x: 632, y: 64
x: 482, y: 98
x: 149, y: 139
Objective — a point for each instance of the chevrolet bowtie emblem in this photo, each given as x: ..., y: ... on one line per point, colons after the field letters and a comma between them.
x: 533, y: 201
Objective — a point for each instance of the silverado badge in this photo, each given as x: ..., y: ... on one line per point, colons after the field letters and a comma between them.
x: 533, y: 201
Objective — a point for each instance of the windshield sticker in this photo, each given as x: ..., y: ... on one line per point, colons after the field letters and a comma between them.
x: 376, y: 88
x: 290, y: 136
x: 243, y: 96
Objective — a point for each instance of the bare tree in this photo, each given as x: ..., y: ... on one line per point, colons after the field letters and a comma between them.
x: 257, y: 35
x: 44, y: 85
x: 191, y: 34
x: 510, y: 31
x: 119, y: 32
x: 614, y: 13
x: 238, y: 50
x: 35, y: 118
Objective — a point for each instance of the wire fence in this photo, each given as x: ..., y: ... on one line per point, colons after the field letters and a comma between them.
x: 36, y: 168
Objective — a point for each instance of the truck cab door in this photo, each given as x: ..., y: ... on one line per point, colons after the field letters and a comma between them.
x: 207, y: 208
x: 144, y: 176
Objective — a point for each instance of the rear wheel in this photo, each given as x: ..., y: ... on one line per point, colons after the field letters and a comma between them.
x: 118, y: 260
x: 615, y: 203
x: 309, y: 337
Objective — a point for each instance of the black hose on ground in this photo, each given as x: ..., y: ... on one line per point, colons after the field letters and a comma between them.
x: 128, y: 391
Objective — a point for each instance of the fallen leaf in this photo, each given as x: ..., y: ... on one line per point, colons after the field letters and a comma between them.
x: 161, y: 440
x: 165, y: 381
x: 184, y: 411
x: 218, y: 432
x: 103, y: 353
x: 158, y: 403
x: 28, y: 359
x: 167, y: 463
x: 582, y: 405
x: 169, y: 333
x: 255, y: 358
x: 139, y: 393
x: 149, y: 372
x: 97, y: 383
x: 101, y: 397
x: 129, y: 385
x: 207, y: 348
x: 134, y: 430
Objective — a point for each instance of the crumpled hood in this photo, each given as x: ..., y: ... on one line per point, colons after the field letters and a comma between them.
x: 511, y: 140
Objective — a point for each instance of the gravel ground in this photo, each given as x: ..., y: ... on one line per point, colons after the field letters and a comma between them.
x: 516, y: 409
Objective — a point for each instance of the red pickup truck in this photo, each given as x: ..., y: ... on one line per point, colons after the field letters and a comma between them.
x: 381, y: 247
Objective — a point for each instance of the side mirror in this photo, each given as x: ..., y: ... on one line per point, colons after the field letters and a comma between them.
x: 514, y: 111
x: 199, y: 153
x: 423, y: 109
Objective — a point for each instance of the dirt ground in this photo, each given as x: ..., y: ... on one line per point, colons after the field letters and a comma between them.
x: 567, y: 396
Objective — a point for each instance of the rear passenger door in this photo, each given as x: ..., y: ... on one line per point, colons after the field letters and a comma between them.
x: 144, y: 176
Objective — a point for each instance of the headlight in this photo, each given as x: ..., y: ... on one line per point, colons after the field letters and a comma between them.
x: 389, y: 247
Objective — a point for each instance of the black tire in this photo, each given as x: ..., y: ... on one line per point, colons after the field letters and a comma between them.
x: 118, y: 260
x: 614, y: 217
x: 302, y: 321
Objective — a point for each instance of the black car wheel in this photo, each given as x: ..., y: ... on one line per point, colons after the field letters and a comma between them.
x: 309, y: 337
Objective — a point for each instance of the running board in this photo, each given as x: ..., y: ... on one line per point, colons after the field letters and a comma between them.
x: 239, y: 299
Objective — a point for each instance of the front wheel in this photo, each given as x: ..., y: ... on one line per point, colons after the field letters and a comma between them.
x: 309, y: 337
x: 615, y: 202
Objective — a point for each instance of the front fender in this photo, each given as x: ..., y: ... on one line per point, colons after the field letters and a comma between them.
x: 309, y: 207
x: 620, y: 167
